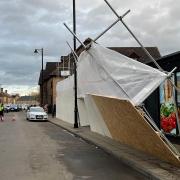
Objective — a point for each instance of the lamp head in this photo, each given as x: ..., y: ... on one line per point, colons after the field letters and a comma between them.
x: 35, y: 51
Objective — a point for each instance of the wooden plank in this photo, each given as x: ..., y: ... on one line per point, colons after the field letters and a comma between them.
x: 128, y: 126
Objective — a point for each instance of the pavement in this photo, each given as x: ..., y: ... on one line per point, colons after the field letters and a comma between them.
x: 147, y: 165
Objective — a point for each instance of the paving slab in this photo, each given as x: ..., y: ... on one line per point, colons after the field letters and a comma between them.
x: 150, y: 166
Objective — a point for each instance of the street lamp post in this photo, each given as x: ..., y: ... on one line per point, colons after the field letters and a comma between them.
x: 75, y: 70
x: 42, y: 73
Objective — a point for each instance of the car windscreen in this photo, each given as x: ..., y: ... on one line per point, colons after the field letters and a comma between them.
x: 36, y: 110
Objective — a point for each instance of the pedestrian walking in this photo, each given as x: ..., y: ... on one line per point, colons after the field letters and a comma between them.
x: 1, y: 111
x: 46, y: 108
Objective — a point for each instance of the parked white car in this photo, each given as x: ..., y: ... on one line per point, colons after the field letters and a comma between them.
x: 36, y: 113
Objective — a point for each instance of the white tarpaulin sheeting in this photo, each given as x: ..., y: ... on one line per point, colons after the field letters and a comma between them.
x: 105, y: 72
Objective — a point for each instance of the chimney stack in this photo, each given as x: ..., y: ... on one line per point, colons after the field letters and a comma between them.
x: 6, y: 91
x: 1, y: 90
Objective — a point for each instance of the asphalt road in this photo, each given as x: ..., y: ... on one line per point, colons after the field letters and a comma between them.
x: 43, y: 151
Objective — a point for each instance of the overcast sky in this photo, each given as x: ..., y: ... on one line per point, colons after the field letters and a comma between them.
x: 29, y: 24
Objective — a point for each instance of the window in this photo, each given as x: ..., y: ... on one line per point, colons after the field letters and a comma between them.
x: 167, y: 107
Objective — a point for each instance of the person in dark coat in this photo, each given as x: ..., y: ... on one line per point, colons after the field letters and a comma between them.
x: 54, y: 110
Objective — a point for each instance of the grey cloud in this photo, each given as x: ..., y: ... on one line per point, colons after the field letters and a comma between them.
x: 158, y: 27
x: 29, y: 24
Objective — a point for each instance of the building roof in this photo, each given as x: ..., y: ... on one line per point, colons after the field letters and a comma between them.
x: 81, y: 48
x: 170, y: 55
x: 50, y: 67
x: 168, y: 62
x: 132, y: 52
x: 27, y: 98
x: 52, y: 70
x: 138, y: 53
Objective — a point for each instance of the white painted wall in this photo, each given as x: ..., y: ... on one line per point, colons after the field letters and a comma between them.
x: 95, y: 119
x: 88, y: 111
x: 83, y: 112
x: 65, y: 108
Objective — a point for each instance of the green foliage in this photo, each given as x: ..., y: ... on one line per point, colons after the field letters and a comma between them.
x: 166, y: 109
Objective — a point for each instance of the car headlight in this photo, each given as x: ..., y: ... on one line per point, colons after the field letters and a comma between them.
x: 32, y: 116
x: 45, y: 116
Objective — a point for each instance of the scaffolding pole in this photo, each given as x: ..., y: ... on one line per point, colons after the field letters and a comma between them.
x: 145, y: 50
x: 109, y: 27
x: 74, y: 35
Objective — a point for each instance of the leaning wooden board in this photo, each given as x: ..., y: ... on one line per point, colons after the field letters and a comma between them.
x: 128, y: 126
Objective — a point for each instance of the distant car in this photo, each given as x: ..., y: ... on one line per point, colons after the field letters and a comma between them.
x: 14, y: 107
x: 19, y: 107
x: 7, y: 108
x: 36, y: 113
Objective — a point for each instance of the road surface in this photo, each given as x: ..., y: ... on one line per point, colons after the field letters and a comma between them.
x: 43, y: 151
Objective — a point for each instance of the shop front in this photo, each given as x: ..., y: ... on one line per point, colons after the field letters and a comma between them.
x: 161, y: 104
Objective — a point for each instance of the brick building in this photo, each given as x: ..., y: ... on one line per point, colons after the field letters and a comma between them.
x: 51, y: 75
x: 6, y: 98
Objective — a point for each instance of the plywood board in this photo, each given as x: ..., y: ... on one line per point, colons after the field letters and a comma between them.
x: 128, y: 126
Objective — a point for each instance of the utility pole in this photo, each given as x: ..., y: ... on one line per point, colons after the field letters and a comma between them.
x: 75, y: 70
